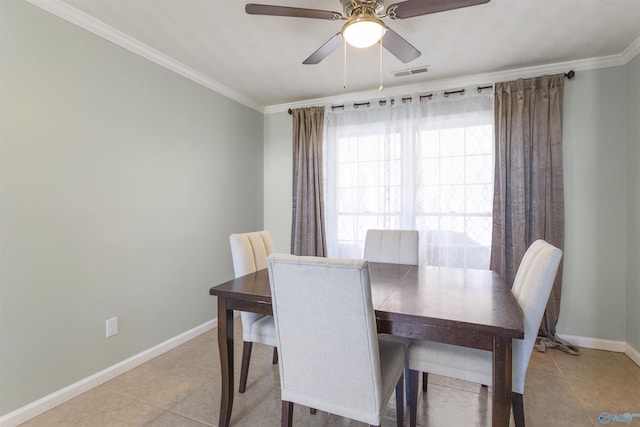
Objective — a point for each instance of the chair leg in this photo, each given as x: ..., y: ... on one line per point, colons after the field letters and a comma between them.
x: 400, y: 401
x: 244, y: 367
x: 413, y: 397
x: 518, y: 409
x: 425, y: 381
x: 287, y: 414
x: 406, y: 376
x: 275, y: 356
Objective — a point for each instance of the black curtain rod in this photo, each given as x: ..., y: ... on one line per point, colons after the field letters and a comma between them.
x: 569, y: 75
x: 451, y: 92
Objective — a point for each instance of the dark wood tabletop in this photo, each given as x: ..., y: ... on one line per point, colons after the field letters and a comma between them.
x: 472, y: 308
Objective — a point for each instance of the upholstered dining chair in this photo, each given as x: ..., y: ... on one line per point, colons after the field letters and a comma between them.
x: 531, y: 287
x: 392, y: 246
x: 249, y: 252
x: 331, y: 357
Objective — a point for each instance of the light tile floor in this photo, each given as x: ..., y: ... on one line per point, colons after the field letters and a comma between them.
x: 182, y: 388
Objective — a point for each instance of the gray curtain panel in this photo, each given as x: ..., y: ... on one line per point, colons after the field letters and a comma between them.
x: 528, y: 189
x: 307, y: 225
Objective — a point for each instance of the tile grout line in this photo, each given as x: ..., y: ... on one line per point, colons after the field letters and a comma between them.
x: 572, y: 387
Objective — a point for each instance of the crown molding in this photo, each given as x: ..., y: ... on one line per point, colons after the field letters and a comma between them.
x: 471, y: 80
x: 631, y: 51
x: 103, y: 30
x: 93, y: 25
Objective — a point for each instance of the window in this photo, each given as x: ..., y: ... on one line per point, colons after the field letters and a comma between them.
x: 422, y: 165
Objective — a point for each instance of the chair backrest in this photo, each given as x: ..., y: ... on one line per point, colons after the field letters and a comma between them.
x: 392, y: 246
x: 326, y: 327
x: 250, y: 251
x: 532, y: 287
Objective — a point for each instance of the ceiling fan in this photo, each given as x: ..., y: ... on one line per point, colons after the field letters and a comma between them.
x: 364, y: 26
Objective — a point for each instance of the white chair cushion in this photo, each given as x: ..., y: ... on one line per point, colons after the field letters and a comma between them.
x: 525, y: 265
x: 463, y: 363
x: 249, y: 252
x: 392, y: 246
x: 393, y: 353
x: 263, y: 331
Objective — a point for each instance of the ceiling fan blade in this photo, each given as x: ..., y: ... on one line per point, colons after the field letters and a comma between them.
x: 411, y: 8
x: 325, y: 50
x: 296, y: 12
x: 399, y: 47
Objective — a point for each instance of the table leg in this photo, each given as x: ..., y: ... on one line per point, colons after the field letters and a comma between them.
x: 501, y: 409
x: 225, y: 346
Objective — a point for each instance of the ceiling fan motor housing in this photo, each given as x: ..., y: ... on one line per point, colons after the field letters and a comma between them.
x: 360, y: 7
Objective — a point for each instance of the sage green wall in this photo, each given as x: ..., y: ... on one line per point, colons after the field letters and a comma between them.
x: 595, y: 156
x: 119, y: 186
x: 633, y: 219
x: 278, y: 171
x: 595, y: 153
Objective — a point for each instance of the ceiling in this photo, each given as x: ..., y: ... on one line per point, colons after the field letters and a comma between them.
x: 258, y: 59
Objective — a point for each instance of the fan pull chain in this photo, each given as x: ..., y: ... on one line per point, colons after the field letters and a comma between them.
x: 381, y: 87
x: 345, y: 64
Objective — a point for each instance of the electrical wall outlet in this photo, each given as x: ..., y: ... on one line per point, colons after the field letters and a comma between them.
x: 112, y: 326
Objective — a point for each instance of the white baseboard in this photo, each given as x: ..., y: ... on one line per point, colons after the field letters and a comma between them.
x: 632, y: 353
x: 608, y: 345
x: 595, y: 343
x: 54, y: 399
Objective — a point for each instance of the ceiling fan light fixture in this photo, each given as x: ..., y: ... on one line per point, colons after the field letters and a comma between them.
x: 363, y: 31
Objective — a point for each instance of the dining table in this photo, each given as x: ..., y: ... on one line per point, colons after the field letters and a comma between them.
x: 465, y: 307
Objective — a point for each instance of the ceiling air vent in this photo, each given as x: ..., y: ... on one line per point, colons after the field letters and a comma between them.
x: 411, y: 72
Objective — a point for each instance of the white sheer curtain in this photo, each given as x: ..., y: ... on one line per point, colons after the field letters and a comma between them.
x: 425, y: 165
